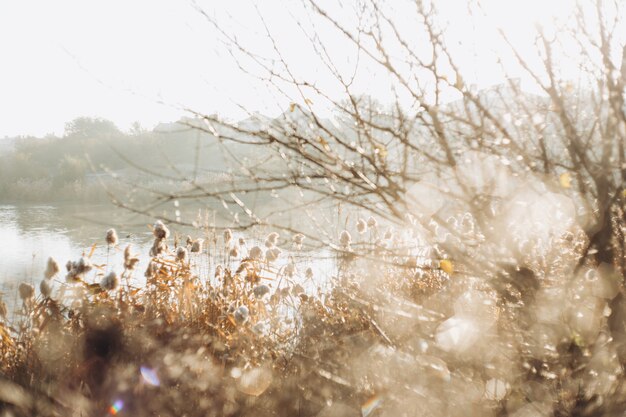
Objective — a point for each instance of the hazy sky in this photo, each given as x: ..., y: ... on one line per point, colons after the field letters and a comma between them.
x: 118, y: 58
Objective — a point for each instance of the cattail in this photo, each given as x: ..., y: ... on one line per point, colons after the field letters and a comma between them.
x: 345, y: 239
x: 234, y: 252
x: 361, y: 226
x: 26, y: 291
x: 110, y: 281
x: 52, y: 268
x: 3, y: 309
x: 129, y: 260
x: 196, y: 246
x: 228, y: 236
x: 256, y: 253
x: 68, y: 266
x: 189, y: 241
x: 181, y: 254
x: 45, y: 287
x: 309, y: 273
x: 298, y: 239
x: 242, y: 241
x: 371, y: 222
x: 261, y: 291
x: 112, y: 237
x: 241, y: 315
x: 272, y: 254
x: 160, y: 231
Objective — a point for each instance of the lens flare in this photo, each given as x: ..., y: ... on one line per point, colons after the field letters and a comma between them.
x: 116, y: 407
x: 370, y: 405
x: 150, y: 376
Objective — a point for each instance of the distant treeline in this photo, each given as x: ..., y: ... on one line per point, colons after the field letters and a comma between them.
x: 91, y: 152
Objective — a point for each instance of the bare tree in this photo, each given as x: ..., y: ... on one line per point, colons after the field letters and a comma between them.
x: 444, y: 156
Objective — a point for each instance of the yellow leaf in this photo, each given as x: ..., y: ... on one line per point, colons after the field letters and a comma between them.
x: 381, y: 150
x: 308, y: 101
x: 292, y: 107
x: 565, y: 179
x: 446, y: 266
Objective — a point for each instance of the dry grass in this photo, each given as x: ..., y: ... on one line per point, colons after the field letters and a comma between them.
x: 247, y: 338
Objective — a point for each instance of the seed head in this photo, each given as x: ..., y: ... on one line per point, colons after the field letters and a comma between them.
x: 218, y: 271
x: 298, y: 239
x: 26, y: 291
x: 52, y: 268
x: 345, y: 239
x: 82, y: 266
x: 160, y: 231
x: 234, y: 252
x: 290, y: 269
x: 196, y: 246
x: 110, y: 281
x: 273, y: 238
x: 228, y: 236
x: 256, y: 253
x: 241, y: 315
x: 111, y: 237
x: 181, y: 254
x: 158, y: 247
x: 309, y: 273
x: 150, y: 269
x: 45, y: 287
x: 261, y: 291
x: 129, y: 260
x: 361, y: 226
x: 371, y: 222
x: 272, y: 254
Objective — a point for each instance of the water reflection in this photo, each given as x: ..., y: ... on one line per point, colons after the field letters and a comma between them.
x: 30, y: 234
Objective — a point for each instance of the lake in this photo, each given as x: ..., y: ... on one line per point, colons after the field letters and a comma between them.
x: 29, y: 234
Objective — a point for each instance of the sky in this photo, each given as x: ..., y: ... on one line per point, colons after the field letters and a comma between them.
x: 147, y: 60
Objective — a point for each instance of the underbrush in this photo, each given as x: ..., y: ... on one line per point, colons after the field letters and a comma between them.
x: 232, y: 331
